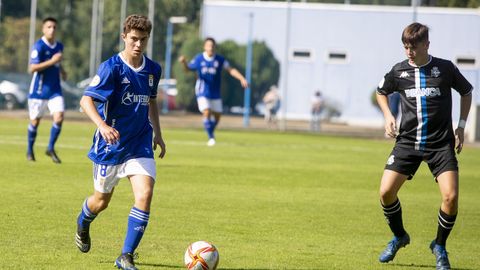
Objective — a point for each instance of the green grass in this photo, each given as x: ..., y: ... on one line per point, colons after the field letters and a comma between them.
x: 266, y: 200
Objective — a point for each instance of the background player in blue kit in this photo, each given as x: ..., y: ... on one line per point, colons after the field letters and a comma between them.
x: 209, y: 66
x: 45, y: 89
x: 426, y: 134
x: 125, y: 89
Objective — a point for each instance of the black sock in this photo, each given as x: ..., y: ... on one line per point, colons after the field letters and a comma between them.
x: 393, y: 215
x: 445, y: 226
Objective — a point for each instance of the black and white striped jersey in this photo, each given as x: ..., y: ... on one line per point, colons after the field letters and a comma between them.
x: 426, y: 101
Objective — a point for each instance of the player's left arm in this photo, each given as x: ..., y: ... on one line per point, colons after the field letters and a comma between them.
x: 237, y: 75
x: 465, y: 103
x: 63, y: 73
x: 157, y: 133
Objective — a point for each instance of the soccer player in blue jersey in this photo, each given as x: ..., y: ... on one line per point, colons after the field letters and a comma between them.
x: 209, y: 66
x: 425, y: 134
x: 45, y: 90
x: 125, y: 89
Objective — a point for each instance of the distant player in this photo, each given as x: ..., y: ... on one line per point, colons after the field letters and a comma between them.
x: 426, y: 134
x: 209, y: 66
x: 125, y: 89
x: 45, y: 89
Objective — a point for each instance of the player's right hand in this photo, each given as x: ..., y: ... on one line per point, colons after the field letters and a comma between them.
x: 57, y: 57
x: 390, y: 127
x: 109, y: 134
x: 182, y: 59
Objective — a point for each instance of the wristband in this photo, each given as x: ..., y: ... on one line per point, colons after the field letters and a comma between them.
x: 462, y: 123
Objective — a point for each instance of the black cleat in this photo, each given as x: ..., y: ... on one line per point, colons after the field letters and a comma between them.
x: 82, y: 239
x: 53, y: 155
x: 125, y: 262
x: 30, y: 157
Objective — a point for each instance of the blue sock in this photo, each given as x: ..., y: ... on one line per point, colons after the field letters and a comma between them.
x: 86, y: 216
x: 54, y: 132
x: 137, y: 223
x: 32, y: 134
x: 208, y: 124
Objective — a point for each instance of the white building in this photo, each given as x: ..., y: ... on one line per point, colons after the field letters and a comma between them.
x: 344, y: 50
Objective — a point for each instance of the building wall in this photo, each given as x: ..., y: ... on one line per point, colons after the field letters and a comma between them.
x: 369, y: 37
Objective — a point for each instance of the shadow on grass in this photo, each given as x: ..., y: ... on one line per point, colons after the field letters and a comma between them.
x: 424, y: 266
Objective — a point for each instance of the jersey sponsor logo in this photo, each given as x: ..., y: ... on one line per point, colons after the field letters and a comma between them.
x: 435, y: 72
x: 404, y: 75
x: 130, y: 98
x: 391, y: 160
x: 95, y: 81
x: 209, y: 70
x: 423, y: 92
x: 34, y: 54
x: 125, y: 80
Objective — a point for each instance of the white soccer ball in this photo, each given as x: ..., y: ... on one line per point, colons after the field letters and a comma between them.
x: 201, y: 255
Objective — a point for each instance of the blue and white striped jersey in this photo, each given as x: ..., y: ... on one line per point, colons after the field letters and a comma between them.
x: 46, y: 83
x: 426, y: 101
x: 209, y: 74
x: 122, y: 93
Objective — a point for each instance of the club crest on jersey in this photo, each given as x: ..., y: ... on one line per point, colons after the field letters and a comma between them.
x: 150, y: 80
x: 435, y: 72
x: 391, y: 160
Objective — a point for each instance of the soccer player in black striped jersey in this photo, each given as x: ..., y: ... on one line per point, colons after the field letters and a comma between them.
x: 425, y: 134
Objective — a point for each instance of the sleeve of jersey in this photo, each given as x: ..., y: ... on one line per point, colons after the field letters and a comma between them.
x: 459, y: 83
x: 226, y: 64
x: 192, y: 65
x: 35, y: 55
x: 102, y: 84
x: 387, y: 84
x: 157, y: 80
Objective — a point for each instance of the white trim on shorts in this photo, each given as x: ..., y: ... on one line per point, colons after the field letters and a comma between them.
x: 212, y: 104
x: 37, y: 107
x: 106, y: 177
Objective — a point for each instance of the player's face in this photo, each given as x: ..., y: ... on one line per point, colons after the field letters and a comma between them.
x: 417, y: 52
x: 49, y: 28
x: 135, y: 42
x: 209, y: 47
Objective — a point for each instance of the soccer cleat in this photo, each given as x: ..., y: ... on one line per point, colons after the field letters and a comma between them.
x: 393, y: 246
x: 30, y: 157
x: 441, y: 255
x: 211, y: 142
x: 82, y: 239
x: 53, y: 155
x: 125, y: 262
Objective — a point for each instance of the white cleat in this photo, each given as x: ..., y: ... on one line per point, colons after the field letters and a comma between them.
x: 211, y: 142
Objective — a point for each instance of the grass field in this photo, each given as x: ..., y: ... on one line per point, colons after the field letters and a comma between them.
x: 266, y: 200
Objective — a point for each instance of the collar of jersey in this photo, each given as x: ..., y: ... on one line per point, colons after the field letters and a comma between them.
x: 208, y: 58
x: 44, y: 39
x: 428, y: 62
x: 131, y: 67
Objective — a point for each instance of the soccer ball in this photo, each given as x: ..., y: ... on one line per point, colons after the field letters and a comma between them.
x: 201, y: 255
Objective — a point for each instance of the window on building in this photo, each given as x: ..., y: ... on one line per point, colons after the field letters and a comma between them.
x: 466, y: 61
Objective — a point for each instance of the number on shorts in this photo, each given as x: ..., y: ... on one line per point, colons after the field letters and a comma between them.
x: 103, y: 170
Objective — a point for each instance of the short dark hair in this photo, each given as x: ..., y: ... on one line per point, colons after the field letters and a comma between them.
x: 137, y: 22
x: 415, y: 33
x: 210, y: 39
x: 49, y: 19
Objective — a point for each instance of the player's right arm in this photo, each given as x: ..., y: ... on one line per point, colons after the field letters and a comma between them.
x: 182, y: 59
x: 36, y: 67
x: 386, y: 87
x: 109, y: 134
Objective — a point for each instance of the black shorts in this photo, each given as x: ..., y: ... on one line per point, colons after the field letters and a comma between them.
x: 406, y: 161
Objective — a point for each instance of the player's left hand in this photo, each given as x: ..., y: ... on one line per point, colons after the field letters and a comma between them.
x: 158, y: 140
x: 244, y: 83
x: 459, y: 138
